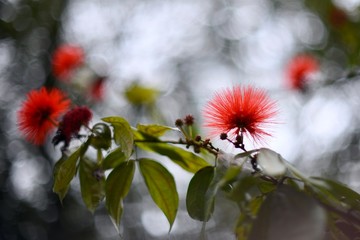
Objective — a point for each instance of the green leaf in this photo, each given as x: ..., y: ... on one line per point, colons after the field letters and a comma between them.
x: 289, y: 214
x: 114, y: 158
x: 332, y: 190
x: 199, y: 198
x: 92, y: 183
x: 185, y: 159
x: 123, y: 134
x: 245, y: 186
x: 229, y: 175
x: 161, y: 186
x: 246, y: 218
x: 117, y: 187
x: 64, y: 172
x: 265, y: 187
x: 153, y: 129
x: 101, y: 137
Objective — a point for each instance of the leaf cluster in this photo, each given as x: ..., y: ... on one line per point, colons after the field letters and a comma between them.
x: 274, y: 199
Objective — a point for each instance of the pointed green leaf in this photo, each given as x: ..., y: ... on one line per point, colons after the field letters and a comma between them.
x: 101, y: 137
x: 199, y: 198
x: 289, y: 214
x: 117, y: 187
x: 154, y: 130
x: 114, y: 158
x: 161, y: 186
x: 332, y: 190
x: 123, y: 134
x: 92, y: 183
x: 64, y: 172
x: 185, y: 159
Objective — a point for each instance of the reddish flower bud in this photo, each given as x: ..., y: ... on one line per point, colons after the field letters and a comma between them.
x: 179, y: 122
x: 71, y: 124
x: 189, y: 120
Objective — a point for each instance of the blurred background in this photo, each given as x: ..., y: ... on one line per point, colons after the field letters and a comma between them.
x: 157, y: 61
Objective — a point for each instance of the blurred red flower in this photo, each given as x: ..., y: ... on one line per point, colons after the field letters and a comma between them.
x: 71, y: 124
x: 337, y: 17
x: 65, y: 60
x: 97, y: 89
x: 39, y: 113
x: 299, y: 70
x: 238, y: 110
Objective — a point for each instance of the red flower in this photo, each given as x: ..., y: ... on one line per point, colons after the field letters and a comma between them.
x: 71, y: 124
x: 299, y: 69
x: 97, y: 89
x: 338, y: 17
x: 65, y: 59
x: 39, y: 113
x: 240, y: 110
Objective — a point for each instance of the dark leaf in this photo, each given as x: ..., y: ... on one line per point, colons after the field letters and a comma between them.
x: 289, y: 214
x: 200, y: 199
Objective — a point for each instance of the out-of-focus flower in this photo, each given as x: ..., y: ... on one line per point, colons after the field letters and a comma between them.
x: 65, y: 60
x: 299, y: 71
x: 71, y: 123
x: 97, y: 89
x: 139, y: 95
x: 39, y: 113
x: 337, y: 17
x: 240, y: 110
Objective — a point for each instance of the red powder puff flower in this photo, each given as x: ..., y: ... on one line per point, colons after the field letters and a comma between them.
x: 71, y: 124
x: 299, y: 69
x: 65, y: 59
x: 238, y: 111
x: 39, y: 113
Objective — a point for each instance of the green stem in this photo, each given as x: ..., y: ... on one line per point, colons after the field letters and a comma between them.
x: 210, y: 148
x: 99, y: 157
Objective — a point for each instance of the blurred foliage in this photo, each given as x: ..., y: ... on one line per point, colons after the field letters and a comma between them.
x: 342, y: 26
